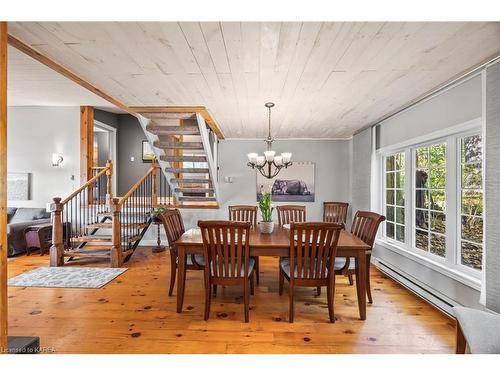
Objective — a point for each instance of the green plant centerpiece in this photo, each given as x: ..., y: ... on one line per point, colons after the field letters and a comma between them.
x: 266, y: 210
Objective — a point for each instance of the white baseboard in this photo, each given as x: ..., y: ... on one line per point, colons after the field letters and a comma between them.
x: 425, y: 292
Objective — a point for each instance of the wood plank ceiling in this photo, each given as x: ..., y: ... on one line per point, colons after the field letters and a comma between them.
x: 327, y: 79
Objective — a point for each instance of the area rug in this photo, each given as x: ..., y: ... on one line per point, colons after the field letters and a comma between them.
x: 66, y: 277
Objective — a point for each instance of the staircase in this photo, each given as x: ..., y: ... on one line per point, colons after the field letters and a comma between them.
x: 91, y: 224
x: 186, y: 149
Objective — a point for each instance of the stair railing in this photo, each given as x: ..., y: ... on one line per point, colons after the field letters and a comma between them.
x: 131, y: 214
x: 70, y: 216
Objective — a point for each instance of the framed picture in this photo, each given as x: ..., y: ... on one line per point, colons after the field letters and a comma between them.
x: 147, y: 152
x: 292, y: 184
x: 18, y: 186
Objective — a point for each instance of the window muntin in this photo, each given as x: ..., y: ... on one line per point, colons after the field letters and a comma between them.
x: 395, y: 196
x: 471, y: 202
x: 430, y: 199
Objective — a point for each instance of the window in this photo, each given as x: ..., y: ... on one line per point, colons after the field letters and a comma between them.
x: 395, y: 196
x: 433, y: 200
x: 430, y: 199
x: 471, y: 202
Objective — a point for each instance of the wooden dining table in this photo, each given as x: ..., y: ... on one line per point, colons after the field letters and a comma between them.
x: 276, y: 244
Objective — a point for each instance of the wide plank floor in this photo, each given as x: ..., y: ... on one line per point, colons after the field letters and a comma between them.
x: 133, y: 314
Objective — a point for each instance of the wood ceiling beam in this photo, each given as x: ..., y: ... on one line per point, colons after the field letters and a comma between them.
x: 3, y: 188
x: 33, y: 53
x: 203, y: 111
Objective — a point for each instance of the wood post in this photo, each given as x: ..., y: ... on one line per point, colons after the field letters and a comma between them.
x: 3, y: 188
x: 57, y: 248
x: 116, y: 250
x: 154, y: 187
x: 86, y: 143
x: 109, y: 182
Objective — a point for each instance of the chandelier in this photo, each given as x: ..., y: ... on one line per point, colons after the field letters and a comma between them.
x: 270, y: 164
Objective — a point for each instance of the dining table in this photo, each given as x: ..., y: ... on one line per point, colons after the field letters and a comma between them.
x: 276, y: 243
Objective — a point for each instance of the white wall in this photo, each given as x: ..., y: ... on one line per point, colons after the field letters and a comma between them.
x: 34, y: 134
x: 332, y: 176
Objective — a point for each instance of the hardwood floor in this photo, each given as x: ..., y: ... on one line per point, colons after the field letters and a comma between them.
x: 133, y: 314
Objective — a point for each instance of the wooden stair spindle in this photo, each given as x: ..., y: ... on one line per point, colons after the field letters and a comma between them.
x: 116, y: 249
x: 57, y: 248
x: 109, y: 183
x: 154, y: 187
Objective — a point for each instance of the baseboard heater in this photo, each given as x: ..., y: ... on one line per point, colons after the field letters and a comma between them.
x: 421, y: 290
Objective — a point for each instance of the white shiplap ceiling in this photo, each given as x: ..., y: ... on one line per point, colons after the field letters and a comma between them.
x: 327, y: 79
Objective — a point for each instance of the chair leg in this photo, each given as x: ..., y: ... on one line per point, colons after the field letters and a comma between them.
x: 368, y: 288
x: 252, y: 283
x: 257, y: 270
x: 330, y: 289
x: 318, y: 291
x: 351, y: 281
x: 215, y: 289
x: 290, y: 296
x: 282, y: 281
x: 246, y: 296
x: 208, y: 298
x: 173, y: 271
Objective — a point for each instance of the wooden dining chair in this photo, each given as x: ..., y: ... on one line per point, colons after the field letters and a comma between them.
x: 226, y: 251
x: 174, y: 228
x: 335, y: 212
x: 313, y: 248
x: 291, y: 214
x: 246, y: 213
x: 364, y: 226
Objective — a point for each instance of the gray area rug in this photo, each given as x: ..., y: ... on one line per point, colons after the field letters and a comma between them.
x: 66, y: 277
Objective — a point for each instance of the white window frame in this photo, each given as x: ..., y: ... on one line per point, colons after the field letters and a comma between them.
x: 450, y: 265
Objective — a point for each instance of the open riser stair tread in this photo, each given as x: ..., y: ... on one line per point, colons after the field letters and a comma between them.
x: 191, y: 158
x: 179, y: 145
x: 173, y: 130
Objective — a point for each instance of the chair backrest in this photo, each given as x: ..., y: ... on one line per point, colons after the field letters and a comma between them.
x: 313, y: 247
x: 174, y: 226
x: 291, y: 214
x: 365, y: 226
x: 335, y: 212
x: 226, y: 249
x: 243, y: 213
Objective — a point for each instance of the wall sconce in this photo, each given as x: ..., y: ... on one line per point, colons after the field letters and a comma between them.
x: 57, y: 159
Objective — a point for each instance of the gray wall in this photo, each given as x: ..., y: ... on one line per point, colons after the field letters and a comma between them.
x: 454, y: 106
x: 34, y: 134
x: 361, y: 170
x: 492, y: 193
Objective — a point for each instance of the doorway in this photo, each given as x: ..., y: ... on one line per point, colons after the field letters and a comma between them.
x: 105, y: 148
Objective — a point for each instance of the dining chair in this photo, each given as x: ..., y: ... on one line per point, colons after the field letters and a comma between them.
x: 313, y: 248
x: 226, y: 251
x: 246, y: 213
x: 174, y: 228
x: 335, y: 212
x: 364, y: 226
x: 291, y: 213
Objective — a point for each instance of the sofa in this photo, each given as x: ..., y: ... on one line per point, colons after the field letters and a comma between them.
x: 18, y: 219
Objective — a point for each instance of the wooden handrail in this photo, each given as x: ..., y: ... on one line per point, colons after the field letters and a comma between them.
x: 154, y: 167
x: 85, y: 185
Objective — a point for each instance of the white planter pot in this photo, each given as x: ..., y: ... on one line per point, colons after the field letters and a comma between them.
x: 266, y: 226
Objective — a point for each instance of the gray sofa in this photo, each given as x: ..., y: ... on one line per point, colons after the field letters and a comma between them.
x: 18, y: 219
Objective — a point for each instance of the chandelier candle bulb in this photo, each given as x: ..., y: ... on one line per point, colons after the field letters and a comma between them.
x: 252, y: 157
x: 287, y: 156
x: 269, y: 155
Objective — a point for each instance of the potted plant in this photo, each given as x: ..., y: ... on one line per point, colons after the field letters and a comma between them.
x: 267, y: 224
x: 155, y: 212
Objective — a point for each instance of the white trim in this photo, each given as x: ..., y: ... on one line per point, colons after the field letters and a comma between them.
x: 441, y: 267
x: 431, y: 137
x: 482, y: 297
x: 290, y: 139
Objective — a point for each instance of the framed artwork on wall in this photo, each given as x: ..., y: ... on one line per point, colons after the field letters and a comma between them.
x: 147, y: 152
x: 293, y: 184
x: 18, y: 186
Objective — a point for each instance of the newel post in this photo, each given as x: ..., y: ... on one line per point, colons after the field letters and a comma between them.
x: 57, y: 248
x: 154, y: 183
x: 109, y: 182
x: 116, y: 250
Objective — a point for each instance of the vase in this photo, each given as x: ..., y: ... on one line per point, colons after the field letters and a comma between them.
x: 266, y: 226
